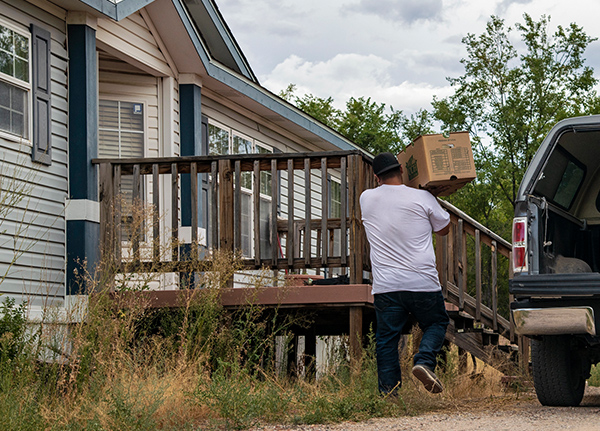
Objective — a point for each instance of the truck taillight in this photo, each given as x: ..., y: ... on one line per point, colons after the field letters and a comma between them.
x: 519, y: 237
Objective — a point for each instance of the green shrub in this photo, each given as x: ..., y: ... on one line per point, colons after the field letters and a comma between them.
x: 13, y: 330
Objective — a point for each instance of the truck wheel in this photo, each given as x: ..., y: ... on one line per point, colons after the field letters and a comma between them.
x: 559, y: 372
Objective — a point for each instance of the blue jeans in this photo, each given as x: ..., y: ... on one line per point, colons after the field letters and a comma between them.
x: 393, y: 310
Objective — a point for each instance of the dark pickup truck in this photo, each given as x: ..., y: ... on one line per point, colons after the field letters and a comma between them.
x: 556, y: 260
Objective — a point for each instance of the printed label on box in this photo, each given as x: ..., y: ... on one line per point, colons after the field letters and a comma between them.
x: 440, y: 161
x: 412, y: 169
x: 461, y: 161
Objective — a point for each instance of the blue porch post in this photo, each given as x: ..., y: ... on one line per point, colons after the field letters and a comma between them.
x: 192, y: 144
x: 82, y: 208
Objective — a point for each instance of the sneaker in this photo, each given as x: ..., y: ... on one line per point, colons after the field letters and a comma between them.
x: 428, y: 378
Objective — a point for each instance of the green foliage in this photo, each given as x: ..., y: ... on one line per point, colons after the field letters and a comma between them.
x: 508, y: 100
x: 370, y: 125
x: 594, y: 379
x: 13, y: 330
x: 246, y: 402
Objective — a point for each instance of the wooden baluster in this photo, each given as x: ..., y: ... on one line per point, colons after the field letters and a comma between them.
x: 444, y: 266
x: 451, y: 242
x: 495, y: 285
x: 107, y: 228
x: 117, y: 219
x: 155, y: 214
x: 194, y: 205
x: 274, y: 204
x: 478, y: 275
x: 324, y: 212
x: 290, y: 239
x: 256, y: 201
x: 307, y: 213
x: 225, y: 205
x: 344, y: 212
x: 174, y: 212
x: 237, y: 207
x: 461, y: 265
x: 137, y: 209
x: 214, y: 206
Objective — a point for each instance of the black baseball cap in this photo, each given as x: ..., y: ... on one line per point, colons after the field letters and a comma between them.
x: 384, y: 162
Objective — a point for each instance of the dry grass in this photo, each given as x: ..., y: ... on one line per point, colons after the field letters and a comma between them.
x: 129, y: 367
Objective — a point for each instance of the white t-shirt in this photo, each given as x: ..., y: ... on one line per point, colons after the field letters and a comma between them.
x: 399, y: 221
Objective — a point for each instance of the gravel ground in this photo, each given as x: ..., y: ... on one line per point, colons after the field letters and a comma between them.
x: 525, y: 414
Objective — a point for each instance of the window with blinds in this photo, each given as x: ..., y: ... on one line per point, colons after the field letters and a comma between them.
x: 121, y: 135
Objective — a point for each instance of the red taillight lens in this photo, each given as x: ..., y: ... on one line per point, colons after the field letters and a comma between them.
x: 519, y: 235
x: 519, y: 231
x: 519, y: 258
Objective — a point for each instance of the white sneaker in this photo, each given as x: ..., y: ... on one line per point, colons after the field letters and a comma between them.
x: 428, y: 378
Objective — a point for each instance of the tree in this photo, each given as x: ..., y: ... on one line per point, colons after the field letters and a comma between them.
x: 370, y: 125
x: 508, y: 101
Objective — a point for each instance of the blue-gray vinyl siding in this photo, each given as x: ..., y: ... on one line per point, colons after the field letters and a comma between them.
x: 32, y: 234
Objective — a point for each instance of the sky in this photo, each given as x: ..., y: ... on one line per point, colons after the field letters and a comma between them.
x: 397, y: 52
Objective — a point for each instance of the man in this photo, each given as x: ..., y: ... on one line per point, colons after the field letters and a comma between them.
x: 399, y: 221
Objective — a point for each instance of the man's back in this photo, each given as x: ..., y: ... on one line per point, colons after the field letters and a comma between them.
x: 399, y: 221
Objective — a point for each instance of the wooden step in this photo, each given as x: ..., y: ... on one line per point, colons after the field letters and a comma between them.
x: 463, y: 322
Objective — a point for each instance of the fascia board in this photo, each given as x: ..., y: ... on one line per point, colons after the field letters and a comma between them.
x: 228, y: 39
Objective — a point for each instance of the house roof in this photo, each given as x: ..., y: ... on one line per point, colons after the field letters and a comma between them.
x: 187, y: 26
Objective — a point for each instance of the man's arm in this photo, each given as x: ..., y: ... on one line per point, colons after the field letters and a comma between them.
x: 443, y: 231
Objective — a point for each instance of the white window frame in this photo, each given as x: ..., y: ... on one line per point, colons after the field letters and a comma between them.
x: 24, y: 85
x: 248, y: 192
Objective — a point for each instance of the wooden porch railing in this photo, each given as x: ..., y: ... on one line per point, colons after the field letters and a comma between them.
x: 469, y: 273
x: 300, y: 231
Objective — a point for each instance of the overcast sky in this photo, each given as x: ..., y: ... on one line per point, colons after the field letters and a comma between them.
x: 398, y: 52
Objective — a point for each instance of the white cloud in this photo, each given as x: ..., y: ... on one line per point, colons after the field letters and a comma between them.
x: 353, y: 75
x: 397, y: 52
x: 403, y: 12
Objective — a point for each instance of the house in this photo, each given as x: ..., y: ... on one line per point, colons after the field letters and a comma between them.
x: 88, y: 79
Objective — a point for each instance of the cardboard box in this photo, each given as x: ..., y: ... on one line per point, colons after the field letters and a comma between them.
x: 438, y: 163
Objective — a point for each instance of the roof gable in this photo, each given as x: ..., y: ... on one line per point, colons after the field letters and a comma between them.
x: 217, y: 36
x: 117, y: 9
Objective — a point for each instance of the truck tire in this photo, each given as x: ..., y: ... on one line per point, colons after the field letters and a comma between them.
x: 559, y: 372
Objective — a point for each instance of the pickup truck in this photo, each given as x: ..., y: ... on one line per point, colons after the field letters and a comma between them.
x: 556, y: 260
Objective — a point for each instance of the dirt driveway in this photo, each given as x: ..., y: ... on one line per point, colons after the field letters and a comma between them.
x: 524, y: 414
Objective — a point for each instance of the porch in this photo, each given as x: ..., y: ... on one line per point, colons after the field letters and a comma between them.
x: 295, y: 226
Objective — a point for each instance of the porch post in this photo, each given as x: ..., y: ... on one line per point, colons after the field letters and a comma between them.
x: 82, y: 210
x: 193, y: 143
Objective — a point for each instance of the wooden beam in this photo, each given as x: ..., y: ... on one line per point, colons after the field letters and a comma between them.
x: 355, y: 333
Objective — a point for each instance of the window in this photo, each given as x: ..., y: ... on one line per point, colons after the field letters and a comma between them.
x: 121, y: 135
x: 561, y: 178
x: 14, y: 82
x: 223, y: 141
x: 25, y: 88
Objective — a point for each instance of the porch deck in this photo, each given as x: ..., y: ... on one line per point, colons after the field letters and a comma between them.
x: 302, y: 229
